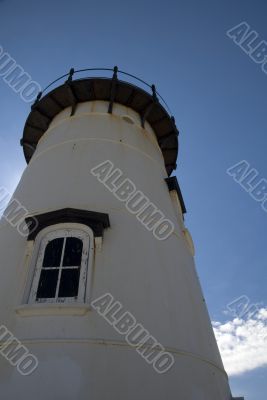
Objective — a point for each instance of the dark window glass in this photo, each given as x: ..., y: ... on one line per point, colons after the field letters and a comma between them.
x: 47, y: 284
x: 53, y: 253
x: 69, y: 277
x: 69, y: 283
x: 73, y: 252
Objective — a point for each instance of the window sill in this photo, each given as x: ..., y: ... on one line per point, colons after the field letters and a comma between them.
x: 29, y: 310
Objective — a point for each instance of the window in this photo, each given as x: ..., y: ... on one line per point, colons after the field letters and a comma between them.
x: 61, y: 266
x: 61, y: 249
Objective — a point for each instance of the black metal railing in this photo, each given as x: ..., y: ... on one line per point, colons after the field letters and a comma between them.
x: 114, y: 70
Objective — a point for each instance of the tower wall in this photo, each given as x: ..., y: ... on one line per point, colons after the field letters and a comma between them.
x: 80, y: 355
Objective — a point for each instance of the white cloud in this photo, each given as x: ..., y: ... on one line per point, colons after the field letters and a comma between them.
x: 243, y: 342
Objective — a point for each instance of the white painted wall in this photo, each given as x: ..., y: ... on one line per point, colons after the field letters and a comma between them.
x: 80, y: 356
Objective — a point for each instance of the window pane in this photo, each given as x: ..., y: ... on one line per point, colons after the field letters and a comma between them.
x: 53, y: 253
x: 73, y: 252
x: 69, y: 283
x: 47, y: 284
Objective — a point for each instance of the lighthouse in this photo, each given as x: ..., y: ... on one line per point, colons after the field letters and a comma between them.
x: 100, y: 299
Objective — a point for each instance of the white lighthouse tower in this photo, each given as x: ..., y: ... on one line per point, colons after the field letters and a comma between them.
x: 100, y: 299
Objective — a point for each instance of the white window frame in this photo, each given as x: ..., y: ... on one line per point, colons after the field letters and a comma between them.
x: 64, y: 230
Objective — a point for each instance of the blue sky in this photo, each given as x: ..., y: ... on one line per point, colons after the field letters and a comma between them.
x: 218, y: 97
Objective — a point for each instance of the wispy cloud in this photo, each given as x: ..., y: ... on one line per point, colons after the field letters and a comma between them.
x: 243, y: 342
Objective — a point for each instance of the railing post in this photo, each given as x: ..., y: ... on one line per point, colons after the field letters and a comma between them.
x: 70, y: 75
x: 39, y: 95
x: 113, y: 89
x: 154, y: 94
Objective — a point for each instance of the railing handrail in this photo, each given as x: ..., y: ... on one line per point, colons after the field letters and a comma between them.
x: 73, y: 72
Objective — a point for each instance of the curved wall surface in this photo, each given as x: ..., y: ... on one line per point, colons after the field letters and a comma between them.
x: 81, y: 356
